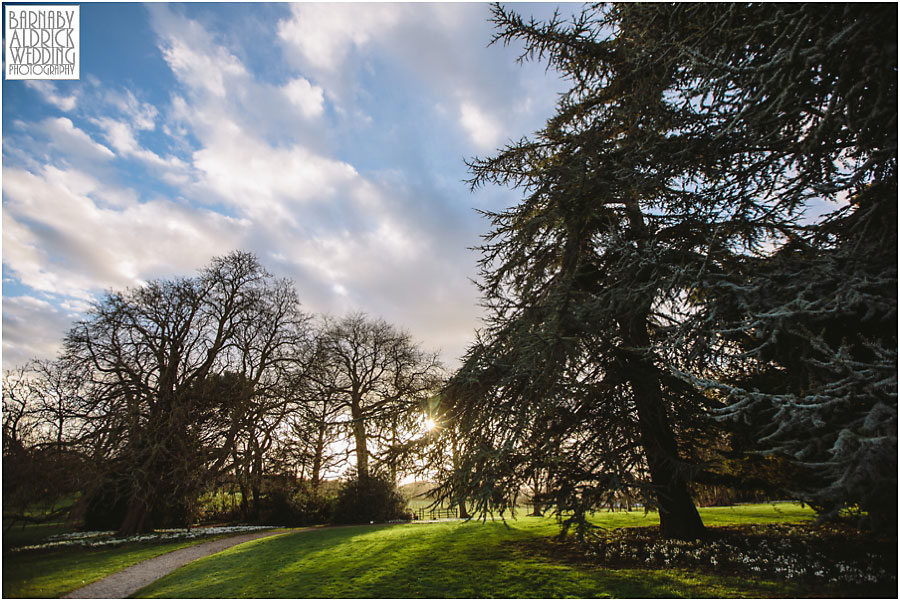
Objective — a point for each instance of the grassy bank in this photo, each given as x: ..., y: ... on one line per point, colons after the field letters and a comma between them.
x: 455, y: 560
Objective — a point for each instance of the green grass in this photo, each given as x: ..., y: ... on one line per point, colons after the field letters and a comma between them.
x: 30, y: 534
x: 56, y: 572
x: 219, y: 500
x: 453, y: 560
x: 17, y: 533
x: 755, y: 514
x: 416, y: 503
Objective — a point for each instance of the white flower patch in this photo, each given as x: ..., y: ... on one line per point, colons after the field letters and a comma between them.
x: 80, y: 535
x: 790, y: 558
x: 108, y: 539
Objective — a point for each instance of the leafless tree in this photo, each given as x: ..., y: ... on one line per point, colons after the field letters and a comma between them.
x: 380, y: 377
x: 42, y: 462
x: 314, y: 426
x: 154, y: 353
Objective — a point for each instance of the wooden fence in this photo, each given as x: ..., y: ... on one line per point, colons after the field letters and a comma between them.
x: 438, y: 513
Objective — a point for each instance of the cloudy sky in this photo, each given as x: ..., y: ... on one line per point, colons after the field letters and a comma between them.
x: 328, y: 139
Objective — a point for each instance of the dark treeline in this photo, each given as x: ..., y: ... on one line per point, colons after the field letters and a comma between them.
x: 201, y: 384
x: 697, y: 294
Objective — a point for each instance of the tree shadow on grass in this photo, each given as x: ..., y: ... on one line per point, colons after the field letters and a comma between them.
x: 411, y: 561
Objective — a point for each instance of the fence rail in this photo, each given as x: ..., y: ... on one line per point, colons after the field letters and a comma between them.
x: 439, y: 513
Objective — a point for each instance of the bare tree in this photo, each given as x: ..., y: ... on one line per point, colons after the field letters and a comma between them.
x: 41, y: 460
x: 315, y: 425
x: 19, y: 419
x: 379, y: 376
x: 151, y: 352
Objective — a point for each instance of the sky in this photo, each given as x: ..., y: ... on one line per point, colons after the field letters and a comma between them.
x: 328, y: 139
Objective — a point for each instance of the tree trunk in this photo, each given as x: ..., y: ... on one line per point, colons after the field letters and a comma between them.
x: 454, y: 458
x: 359, y: 434
x: 537, y: 509
x: 393, y: 458
x: 256, y: 474
x: 255, y: 491
x: 137, y: 518
x: 244, y: 505
x: 678, y: 517
x: 317, y: 458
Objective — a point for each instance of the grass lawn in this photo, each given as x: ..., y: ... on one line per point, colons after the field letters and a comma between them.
x: 53, y: 573
x: 455, y: 559
x: 17, y: 536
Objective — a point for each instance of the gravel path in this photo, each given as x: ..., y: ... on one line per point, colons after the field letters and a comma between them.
x: 131, y: 579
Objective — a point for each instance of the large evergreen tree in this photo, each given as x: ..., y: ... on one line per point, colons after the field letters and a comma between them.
x: 804, y: 98
x: 692, y: 141
x: 577, y: 279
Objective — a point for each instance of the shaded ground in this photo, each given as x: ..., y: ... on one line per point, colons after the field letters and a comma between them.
x: 825, y: 560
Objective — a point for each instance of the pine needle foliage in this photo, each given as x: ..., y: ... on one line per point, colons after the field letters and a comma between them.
x: 672, y: 188
x: 807, y: 330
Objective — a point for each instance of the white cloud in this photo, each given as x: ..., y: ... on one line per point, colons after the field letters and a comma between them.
x: 481, y: 128
x: 191, y: 53
x: 141, y: 114
x: 439, y: 46
x: 266, y: 182
x: 308, y: 98
x: 73, y: 141
x: 296, y: 196
x: 121, y: 137
x: 204, y: 71
x: 32, y: 329
x: 118, y: 134
x: 324, y: 34
x: 48, y: 92
x: 60, y: 238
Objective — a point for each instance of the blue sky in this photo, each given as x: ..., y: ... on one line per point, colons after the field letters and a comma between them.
x: 328, y: 139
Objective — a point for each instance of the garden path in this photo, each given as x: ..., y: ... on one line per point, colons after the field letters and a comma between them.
x: 131, y: 579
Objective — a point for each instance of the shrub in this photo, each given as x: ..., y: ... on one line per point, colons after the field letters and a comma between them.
x: 295, y: 504
x: 316, y: 507
x: 369, y: 499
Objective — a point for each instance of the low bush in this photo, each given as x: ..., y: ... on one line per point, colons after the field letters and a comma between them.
x: 295, y: 504
x: 369, y: 499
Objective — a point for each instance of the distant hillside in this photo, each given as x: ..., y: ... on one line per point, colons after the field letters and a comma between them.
x: 416, y: 489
